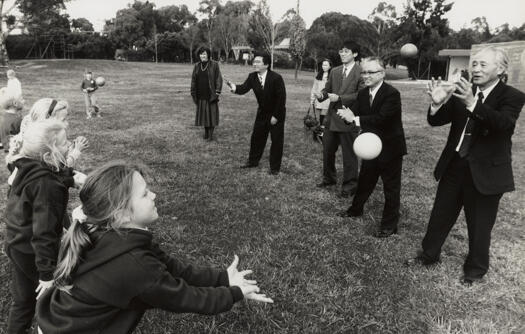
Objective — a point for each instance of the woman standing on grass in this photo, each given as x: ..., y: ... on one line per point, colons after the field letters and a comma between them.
x: 323, y: 70
x: 206, y: 85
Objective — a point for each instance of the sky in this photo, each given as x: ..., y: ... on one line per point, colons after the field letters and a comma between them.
x: 497, y: 12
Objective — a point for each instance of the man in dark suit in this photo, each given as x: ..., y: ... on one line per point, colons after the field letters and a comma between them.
x: 270, y: 92
x: 378, y: 110
x: 341, y: 88
x: 475, y: 167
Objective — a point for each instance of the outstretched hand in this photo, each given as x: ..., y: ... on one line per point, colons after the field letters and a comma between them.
x: 249, y: 288
x: 440, y: 91
x: 81, y: 143
x: 42, y: 287
x: 464, y: 92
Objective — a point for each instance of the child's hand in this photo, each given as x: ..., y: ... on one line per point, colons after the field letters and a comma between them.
x: 235, y: 277
x: 80, y: 179
x: 42, y: 287
x: 258, y: 297
x: 81, y: 143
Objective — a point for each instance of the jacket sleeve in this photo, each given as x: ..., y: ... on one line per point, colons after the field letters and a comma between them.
x: 176, y: 295
x: 504, y: 117
x: 442, y: 116
x: 280, y: 97
x: 245, y: 87
x: 194, y: 275
x: 82, y: 85
x: 218, y: 80
x: 390, y: 107
x: 49, y: 208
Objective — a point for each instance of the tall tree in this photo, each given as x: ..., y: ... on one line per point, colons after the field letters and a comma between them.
x: 384, y: 20
x: 127, y: 29
x: 297, y: 40
x: 174, y: 18
x: 210, y: 9
x: 32, y: 11
x: 82, y: 25
x: 232, y: 24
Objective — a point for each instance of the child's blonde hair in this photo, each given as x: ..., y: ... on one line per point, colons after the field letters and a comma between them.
x: 105, y: 197
x: 39, y: 142
x: 10, y: 102
x: 47, y: 108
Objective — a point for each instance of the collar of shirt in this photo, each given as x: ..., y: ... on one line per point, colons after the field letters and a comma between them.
x: 262, y: 77
x: 486, y: 91
x: 373, y: 91
x: 348, y: 68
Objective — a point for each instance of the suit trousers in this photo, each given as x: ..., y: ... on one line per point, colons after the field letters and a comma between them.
x: 261, y: 128
x: 456, y: 189
x: 390, y: 173
x: 24, y: 280
x: 331, y: 142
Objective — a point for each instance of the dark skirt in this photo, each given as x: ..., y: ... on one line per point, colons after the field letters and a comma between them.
x: 207, y: 113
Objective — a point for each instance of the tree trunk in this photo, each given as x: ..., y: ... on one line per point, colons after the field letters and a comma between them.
x: 296, y: 69
x: 4, y: 58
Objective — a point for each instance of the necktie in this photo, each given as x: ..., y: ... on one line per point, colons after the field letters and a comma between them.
x: 261, y: 81
x: 465, y: 144
x: 344, y: 72
x: 370, y: 99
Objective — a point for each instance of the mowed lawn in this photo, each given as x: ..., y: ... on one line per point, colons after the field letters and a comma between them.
x: 326, y: 274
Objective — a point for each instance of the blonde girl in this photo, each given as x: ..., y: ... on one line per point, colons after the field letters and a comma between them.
x: 36, y: 214
x: 44, y: 109
x: 111, y: 271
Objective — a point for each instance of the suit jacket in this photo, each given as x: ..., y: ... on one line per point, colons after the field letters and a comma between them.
x: 347, y: 91
x: 271, y: 98
x: 490, y: 156
x: 214, y: 78
x: 382, y: 118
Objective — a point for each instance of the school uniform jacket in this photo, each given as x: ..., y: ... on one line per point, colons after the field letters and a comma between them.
x: 271, y: 98
x: 124, y: 274
x: 490, y: 156
x: 36, y: 213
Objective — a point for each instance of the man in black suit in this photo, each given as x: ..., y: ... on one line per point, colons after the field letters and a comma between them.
x: 475, y: 167
x: 341, y: 89
x: 270, y: 92
x: 378, y: 110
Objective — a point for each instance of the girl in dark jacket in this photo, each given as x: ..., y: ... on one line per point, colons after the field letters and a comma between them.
x: 206, y: 86
x: 36, y: 213
x: 110, y: 270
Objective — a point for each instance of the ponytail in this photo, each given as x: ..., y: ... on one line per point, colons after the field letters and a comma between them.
x: 73, y: 243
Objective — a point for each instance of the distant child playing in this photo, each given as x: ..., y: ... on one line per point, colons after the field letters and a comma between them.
x: 111, y: 271
x: 14, y: 87
x: 36, y: 215
x: 88, y: 87
x: 10, y: 118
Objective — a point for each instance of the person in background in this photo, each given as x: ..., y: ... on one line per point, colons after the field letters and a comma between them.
x: 206, y: 86
x: 88, y: 87
x: 14, y: 87
x: 323, y: 70
x: 10, y: 119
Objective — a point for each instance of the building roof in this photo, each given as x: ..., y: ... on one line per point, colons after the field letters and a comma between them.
x: 284, y: 45
x: 454, y: 52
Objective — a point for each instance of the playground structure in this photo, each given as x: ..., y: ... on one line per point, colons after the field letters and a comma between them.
x: 50, y: 46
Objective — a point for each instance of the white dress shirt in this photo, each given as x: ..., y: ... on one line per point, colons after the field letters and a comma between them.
x: 372, y: 93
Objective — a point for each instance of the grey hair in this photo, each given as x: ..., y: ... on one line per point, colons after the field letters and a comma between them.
x: 502, y: 57
x: 378, y: 60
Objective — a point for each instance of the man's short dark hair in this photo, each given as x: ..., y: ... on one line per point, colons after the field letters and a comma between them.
x: 264, y: 55
x: 351, y: 45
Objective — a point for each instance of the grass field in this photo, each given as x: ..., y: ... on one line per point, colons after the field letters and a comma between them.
x: 326, y: 274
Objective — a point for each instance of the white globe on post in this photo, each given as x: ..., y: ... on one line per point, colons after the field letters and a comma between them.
x: 367, y: 146
x: 408, y: 50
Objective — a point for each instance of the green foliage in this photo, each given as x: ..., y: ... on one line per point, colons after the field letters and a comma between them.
x: 174, y: 18
x: 82, y: 24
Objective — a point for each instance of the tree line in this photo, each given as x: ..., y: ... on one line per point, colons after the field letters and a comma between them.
x: 173, y: 33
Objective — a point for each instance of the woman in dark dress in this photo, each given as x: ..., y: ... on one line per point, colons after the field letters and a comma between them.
x: 206, y: 85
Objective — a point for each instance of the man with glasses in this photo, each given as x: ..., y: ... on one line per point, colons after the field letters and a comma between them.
x: 475, y: 168
x: 341, y: 89
x: 378, y: 110
x: 270, y: 92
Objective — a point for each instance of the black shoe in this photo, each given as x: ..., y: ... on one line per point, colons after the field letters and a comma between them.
x: 385, y: 233
x: 420, y: 261
x: 273, y: 172
x: 347, y: 213
x: 469, y: 281
x: 325, y: 184
x: 249, y: 165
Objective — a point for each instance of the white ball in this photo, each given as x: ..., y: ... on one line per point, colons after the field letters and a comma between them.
x: 408, y: 50
x: 367, y: 146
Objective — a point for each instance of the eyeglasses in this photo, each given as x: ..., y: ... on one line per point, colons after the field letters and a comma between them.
x: 370, y: 72
x: 345, y: 50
